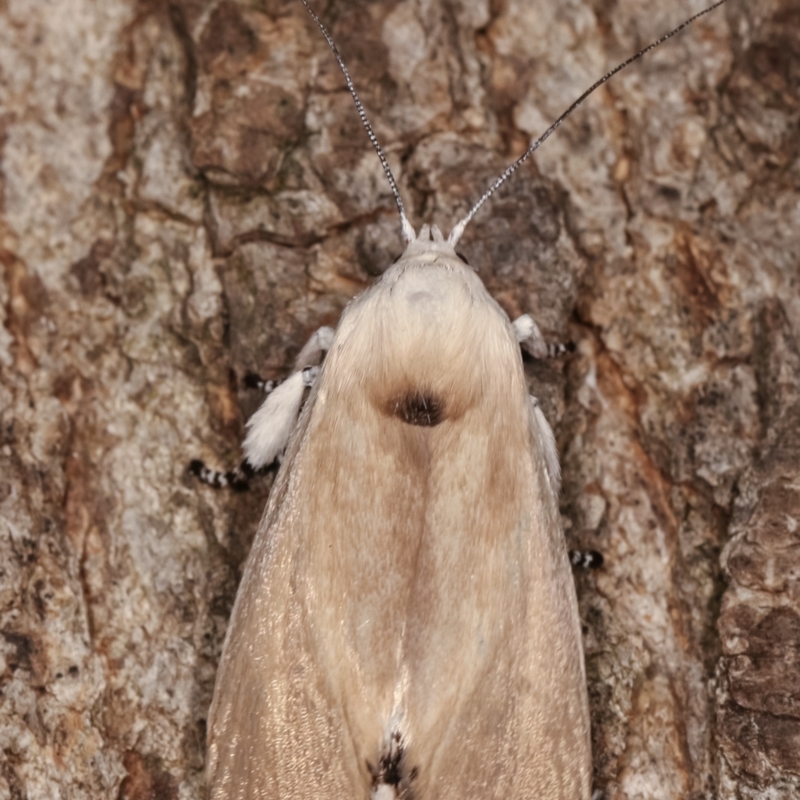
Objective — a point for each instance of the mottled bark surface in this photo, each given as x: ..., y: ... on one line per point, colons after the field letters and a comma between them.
x: 187, y: 194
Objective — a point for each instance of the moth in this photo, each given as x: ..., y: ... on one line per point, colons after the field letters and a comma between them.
x: 407, y: 624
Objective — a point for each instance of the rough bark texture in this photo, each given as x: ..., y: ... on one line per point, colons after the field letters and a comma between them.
x: 187, y: 195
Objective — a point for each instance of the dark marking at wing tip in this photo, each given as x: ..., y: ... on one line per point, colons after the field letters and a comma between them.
x: 390, y: 761
x: 418, y: 408
x: 392, y: 769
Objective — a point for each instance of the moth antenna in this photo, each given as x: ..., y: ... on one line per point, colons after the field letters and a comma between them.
x: 457, y: 232
x: 407, y: 229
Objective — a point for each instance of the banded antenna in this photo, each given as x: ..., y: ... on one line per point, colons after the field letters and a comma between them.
x: 407, y: 229
x: 456, y: 233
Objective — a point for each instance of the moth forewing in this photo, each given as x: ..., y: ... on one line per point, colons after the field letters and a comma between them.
x: 409, y: 582
x: 407, y: 624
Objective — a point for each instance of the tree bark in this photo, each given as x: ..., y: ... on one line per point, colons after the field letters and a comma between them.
x: 188, y: 194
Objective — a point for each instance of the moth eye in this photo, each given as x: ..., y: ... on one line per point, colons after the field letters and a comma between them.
x: 462, y: 257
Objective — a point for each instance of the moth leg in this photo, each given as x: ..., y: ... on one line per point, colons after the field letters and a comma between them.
x: 586, y: 559
x: 253, y: 380
x: 238, y: 478
x: 531, y: 340
x: 268, y: 430
x: 311, y: 354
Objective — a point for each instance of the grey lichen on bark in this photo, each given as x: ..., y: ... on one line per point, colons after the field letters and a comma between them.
x: 187, y: 195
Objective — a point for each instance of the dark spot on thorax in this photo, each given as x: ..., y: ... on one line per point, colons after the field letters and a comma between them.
x: 418, y: 408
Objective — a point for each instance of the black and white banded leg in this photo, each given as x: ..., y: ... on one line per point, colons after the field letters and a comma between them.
x: 254, y: 381
x: 269, y: 429
x: 586, y: 559
x: 309, y: 356
x: 238, y: 478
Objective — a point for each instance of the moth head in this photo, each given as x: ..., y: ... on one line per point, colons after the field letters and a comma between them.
x: 430, y: 246
x: 429, y: 240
